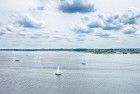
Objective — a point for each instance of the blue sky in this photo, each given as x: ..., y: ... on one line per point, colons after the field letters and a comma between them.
x: 69, y: 23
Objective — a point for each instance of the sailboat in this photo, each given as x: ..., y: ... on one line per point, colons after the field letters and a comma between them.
x: 58, y: 72
x: 84, y: 63
x: 17, y: 60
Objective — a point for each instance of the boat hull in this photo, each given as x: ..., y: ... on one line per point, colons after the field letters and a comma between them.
x: 57, y: 73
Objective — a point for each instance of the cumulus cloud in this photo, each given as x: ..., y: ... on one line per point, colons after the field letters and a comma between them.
x: 20, y: 24
x: 103, y: 35
x: 2, y: 33
x: 29, y: 21
x: 130, y: 17
x: 116, y: 21
x: 95, y: 24
x: 10, y: 28
x: 108, y: 25
x: 81, y: 29
x: 73, y: 6
x: 106, y: 22
x: 38, y: 8
x: 129, y: 30
x: 41, y: 7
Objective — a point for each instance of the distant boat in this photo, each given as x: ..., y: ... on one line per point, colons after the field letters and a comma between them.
x: 17, y: 60
x: 58, y: 72
x: 84, y: 63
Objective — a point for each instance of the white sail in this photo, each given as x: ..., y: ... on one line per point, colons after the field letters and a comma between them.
x: 58, y: 72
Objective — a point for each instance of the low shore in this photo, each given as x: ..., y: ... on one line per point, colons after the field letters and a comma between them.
x: 94, y: 51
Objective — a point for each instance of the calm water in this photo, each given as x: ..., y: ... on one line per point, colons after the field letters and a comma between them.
x: 103, y: 74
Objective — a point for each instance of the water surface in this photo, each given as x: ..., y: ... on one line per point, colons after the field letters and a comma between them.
x: 102, y: 74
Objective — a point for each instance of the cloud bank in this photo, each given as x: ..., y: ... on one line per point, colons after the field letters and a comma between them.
x: 102, y: 25
x: 116, y: 21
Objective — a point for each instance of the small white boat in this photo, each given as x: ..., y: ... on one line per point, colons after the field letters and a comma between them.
x: 83, y: 63
x: 58, y: 72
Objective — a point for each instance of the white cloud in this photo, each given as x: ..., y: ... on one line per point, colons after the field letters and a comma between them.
x: 44, y: 17
x: 2, y: 33
x: 29, y: 21
x: 73, y: 6
x: 11, y: 28
x: 103, y: 34
x: 115, y: 21
x: 108, y: 25
x: 81, y: 29
x: 129, y: 30
x: 130, y: 17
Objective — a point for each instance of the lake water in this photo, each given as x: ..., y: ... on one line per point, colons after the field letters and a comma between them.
x: 102, y: 74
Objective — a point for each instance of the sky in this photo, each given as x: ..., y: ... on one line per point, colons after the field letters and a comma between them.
x: 69, y: 23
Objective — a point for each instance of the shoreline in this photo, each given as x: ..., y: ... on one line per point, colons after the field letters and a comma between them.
x: 92, y: 51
